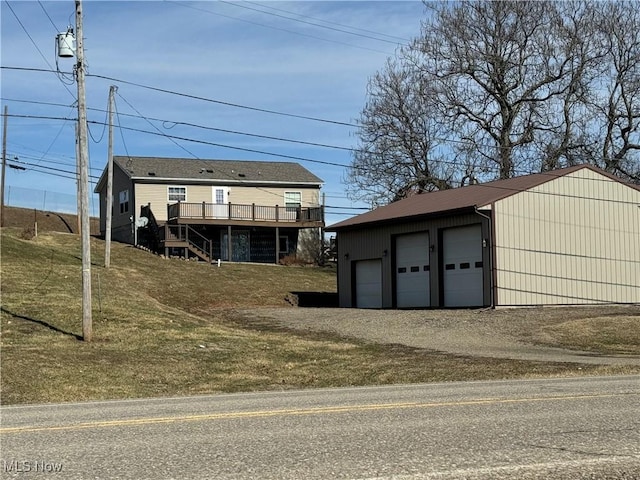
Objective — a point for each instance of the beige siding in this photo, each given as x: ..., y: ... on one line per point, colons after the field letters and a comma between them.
x: 272, y: 196
x: 158, y: 196
x: 573, y: 240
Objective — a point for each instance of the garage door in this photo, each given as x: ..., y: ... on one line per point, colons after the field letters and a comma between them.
x: 412, y: 270
x: 462, y: 255
x: 369, y: 284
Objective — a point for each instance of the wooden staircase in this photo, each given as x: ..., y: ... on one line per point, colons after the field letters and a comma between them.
x: 183, y: 236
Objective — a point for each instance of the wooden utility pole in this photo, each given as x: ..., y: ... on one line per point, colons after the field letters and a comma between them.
x: 4, y: 164
x: 78, y: 193
x: 109, y: 212
x: 83, y: 149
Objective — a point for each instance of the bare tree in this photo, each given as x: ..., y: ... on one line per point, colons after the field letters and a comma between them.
x: 399, y: 140
x: 493, y: 89
x: 504, y: 70
x: 615, y: 95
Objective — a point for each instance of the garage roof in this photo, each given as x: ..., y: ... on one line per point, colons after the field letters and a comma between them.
x: 458, y: 199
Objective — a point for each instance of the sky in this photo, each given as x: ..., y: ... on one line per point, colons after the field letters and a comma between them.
x: 265, y: 69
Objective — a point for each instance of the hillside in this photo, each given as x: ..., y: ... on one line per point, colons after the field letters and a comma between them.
x: 176, y: 327
x: 27, y: 219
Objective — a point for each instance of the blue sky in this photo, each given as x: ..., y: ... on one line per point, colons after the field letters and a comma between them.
x: 249, y: 54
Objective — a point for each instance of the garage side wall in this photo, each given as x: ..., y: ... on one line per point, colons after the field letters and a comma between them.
x: 573, y: 240
x: 377, y: 242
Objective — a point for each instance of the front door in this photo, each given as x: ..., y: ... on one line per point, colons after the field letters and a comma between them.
x: 220, y: 202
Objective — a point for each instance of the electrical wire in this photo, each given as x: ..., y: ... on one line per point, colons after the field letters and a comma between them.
x: 279, y: 29
x: 401, y: 39
x: 335, y: 29
x: 194, y: 97
x: 203, y: 127
x: 48, y: 16
x: 36, y: 47
x: 172, y: 138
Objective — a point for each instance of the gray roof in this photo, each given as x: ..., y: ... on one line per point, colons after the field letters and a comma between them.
x: 227, y: 171
x: 458, y: 199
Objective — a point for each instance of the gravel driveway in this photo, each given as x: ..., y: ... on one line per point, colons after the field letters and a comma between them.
x: 507, y: 333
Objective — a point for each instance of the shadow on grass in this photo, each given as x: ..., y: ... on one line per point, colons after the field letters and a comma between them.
x: 41, y: 322
x: 313, y: 299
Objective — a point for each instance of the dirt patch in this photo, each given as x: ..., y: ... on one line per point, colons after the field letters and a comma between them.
x: 540, y: 334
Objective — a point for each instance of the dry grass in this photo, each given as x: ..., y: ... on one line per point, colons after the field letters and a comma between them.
x: 618, y: 335
x: 169, y: 327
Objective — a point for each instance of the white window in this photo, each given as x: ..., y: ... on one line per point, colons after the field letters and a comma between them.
x: 292, y: 199
x: 124, y: 201
x: 219, y: 196
x: 177, y: 194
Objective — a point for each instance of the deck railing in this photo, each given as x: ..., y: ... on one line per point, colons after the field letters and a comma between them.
x: 253, y: 212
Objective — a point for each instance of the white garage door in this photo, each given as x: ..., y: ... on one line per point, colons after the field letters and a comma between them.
x: 412, y: 271
x: 462, y: 257
x: 369, y: 284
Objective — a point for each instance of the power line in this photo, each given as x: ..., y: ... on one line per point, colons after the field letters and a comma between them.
x: 53, y: 169
x: 36, y: 46
x: 328, y: 22
x: 204, y: 127
x: 47, y: 14
x: 335, y: 29
x: 280, y: 155
x: 220, y: 102
x: 280, y: 29
x: 195, y: 97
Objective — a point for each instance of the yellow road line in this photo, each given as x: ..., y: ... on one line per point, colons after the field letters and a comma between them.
x: 292, y: 412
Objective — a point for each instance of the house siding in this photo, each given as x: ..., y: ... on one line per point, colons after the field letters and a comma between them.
x: 157, y: 196
x: 573, y: 240
x: 310, y: 197
x: 120, y: 222
x: 369, y: 243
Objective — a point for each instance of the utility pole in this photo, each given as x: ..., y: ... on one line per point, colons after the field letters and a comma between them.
x: 109, y: 212
x: 83, y: 149
x: 4, y: 164
x: 78, y: 193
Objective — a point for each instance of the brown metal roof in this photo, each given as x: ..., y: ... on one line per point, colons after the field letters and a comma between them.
x: 457, y: 199
x: 215, y: 170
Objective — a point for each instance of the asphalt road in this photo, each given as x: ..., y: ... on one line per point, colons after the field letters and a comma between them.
x: 533, y: 429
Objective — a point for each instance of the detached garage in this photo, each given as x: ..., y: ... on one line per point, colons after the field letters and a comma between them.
x: 567, y: 237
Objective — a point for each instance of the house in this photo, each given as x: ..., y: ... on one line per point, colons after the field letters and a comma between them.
x: 241, y: 211
x: 566, y: 237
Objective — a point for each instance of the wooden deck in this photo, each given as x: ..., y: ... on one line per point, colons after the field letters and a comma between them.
x: 246, y: 215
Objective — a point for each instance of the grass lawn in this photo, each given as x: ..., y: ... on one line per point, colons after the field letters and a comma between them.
x: 171, y: 327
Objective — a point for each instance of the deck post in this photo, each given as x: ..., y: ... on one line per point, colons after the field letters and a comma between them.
x: 204, y: 210
x: 253, y: 212
x: 277, y: 245
x: 229, y: 243
x: 277, y: 213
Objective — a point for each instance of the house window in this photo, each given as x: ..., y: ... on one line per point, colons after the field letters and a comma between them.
x: 124, y: 201
x: 177, y: 194
x: 283, y: 245
x: 219, y: 195
x: 292, y: 199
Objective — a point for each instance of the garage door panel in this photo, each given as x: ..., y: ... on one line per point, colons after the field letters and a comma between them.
x: 412, y: 270
x: 369, y: 284
x: 463, y: 267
